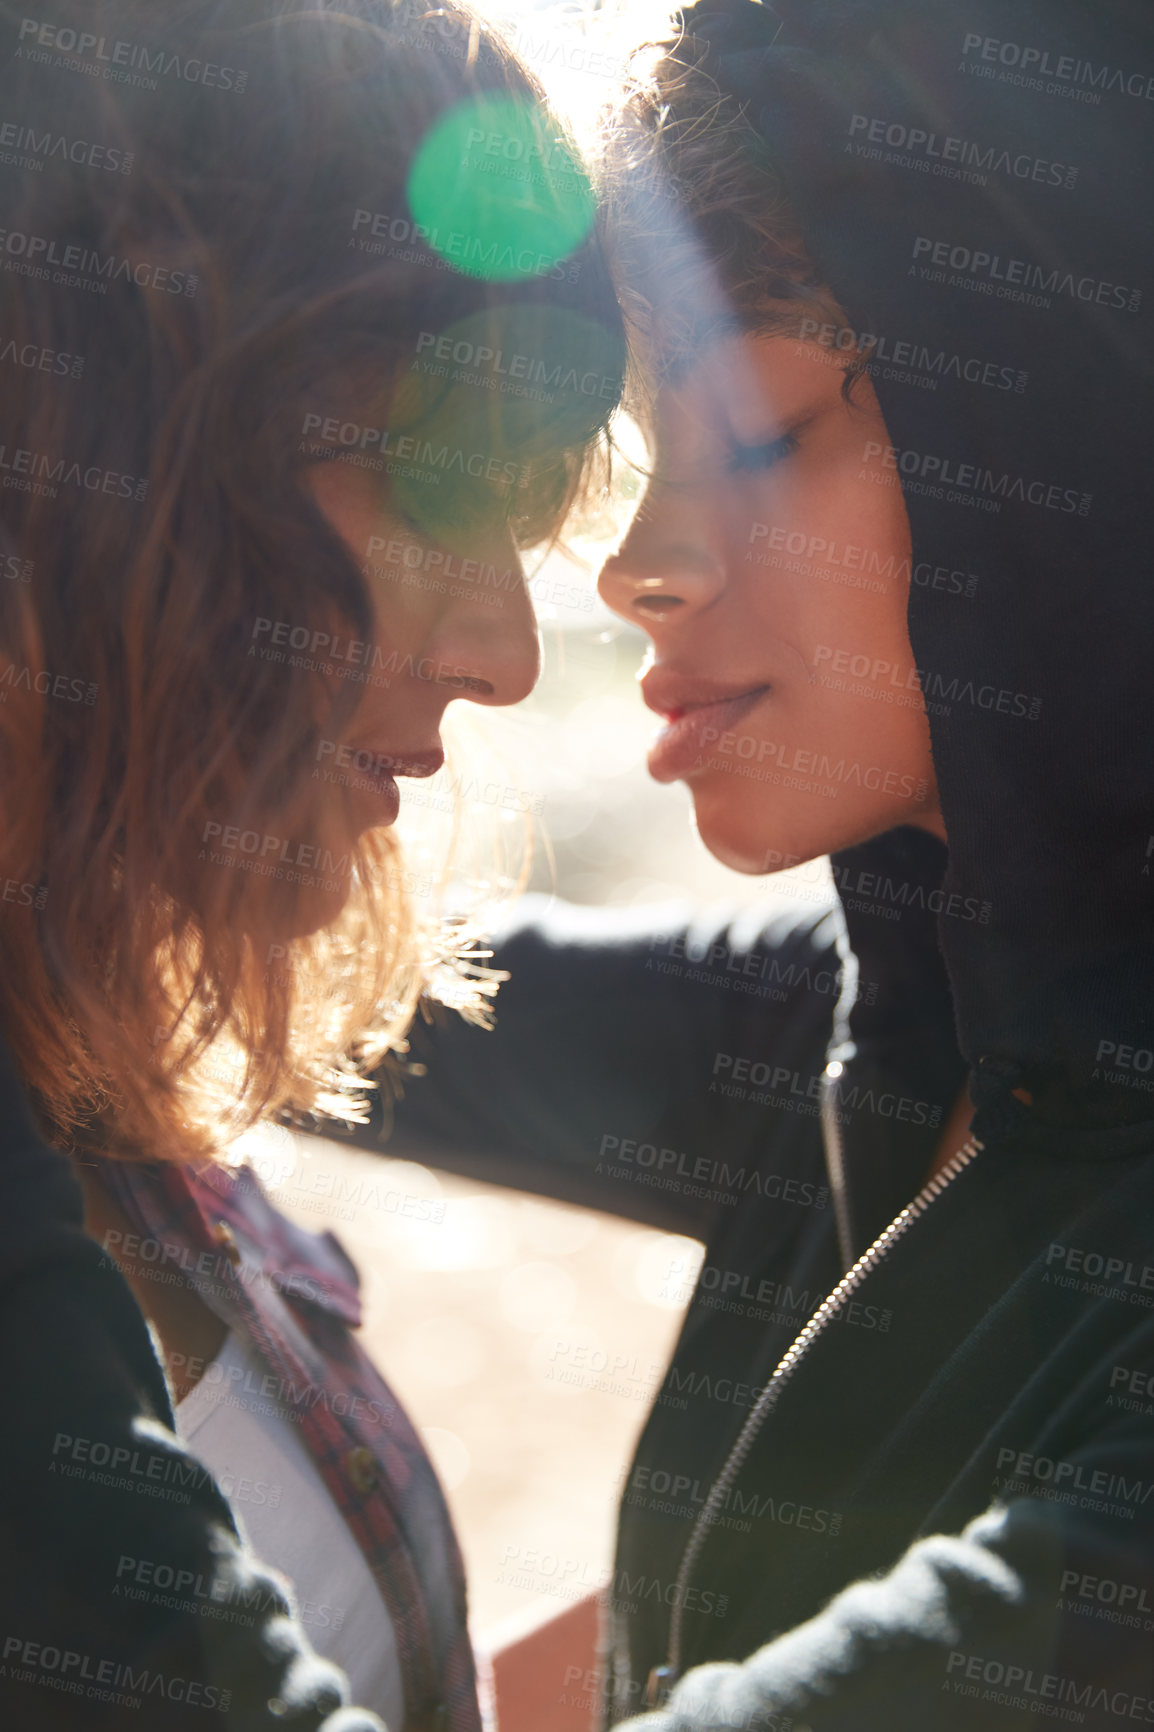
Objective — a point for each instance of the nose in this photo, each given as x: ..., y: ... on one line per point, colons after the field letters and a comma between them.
x: 464, y: 621
x: 486, y: 632
x: 667, y: 569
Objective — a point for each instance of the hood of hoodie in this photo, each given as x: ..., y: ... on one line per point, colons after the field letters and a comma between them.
x: 975, y: 187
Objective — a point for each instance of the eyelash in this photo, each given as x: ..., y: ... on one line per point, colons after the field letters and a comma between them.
x: 746, y: 459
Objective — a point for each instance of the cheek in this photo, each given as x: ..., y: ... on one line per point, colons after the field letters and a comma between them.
x: 351, y: 500
x: 831, y: 574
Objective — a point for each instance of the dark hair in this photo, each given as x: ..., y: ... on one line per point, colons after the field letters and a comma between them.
x: 704, y: 237
x: 208, y: 237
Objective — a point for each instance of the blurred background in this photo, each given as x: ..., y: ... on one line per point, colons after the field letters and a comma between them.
x: 527, y: 1338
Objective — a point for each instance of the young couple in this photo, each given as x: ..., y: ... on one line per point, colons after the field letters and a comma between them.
x: 883, y: 289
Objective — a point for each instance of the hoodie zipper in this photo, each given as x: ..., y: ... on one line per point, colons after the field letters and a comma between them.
x: 663, y: 1678
x: 835, y: 1166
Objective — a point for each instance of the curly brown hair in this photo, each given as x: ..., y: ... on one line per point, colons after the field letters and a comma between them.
x: 181, y: 284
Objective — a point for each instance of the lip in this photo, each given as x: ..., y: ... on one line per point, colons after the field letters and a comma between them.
x: 425, y: 761
x: 696, y: 713
x: 375, y: 770
x: 671, y: 693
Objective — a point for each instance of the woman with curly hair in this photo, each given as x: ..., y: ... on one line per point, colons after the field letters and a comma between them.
x: 263, y: 303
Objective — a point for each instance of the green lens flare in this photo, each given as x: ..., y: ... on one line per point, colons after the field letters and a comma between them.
x: 492, y: 406
x: 498, y: 192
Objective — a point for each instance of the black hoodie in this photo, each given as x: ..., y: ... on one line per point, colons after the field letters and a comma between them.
x: 947, y: 1515
x: 976, y: 185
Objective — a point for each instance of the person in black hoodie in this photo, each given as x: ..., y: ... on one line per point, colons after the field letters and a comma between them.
x: 900, y: 1473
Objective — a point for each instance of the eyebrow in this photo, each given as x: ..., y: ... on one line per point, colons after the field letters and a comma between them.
x: 709, y: 334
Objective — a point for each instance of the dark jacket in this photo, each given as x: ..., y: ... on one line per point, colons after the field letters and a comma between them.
x: 127, y: 1597
x: 943, y: 1512
x: 969, y: 1439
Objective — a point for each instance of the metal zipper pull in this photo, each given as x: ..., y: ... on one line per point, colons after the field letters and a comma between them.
x: 835, y: 1161
x: 661, y: 1682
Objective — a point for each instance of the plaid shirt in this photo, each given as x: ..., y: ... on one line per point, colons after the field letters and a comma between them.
x: 293, y: 1295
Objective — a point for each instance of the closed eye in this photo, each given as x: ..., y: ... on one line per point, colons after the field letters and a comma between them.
x: 749, y: 459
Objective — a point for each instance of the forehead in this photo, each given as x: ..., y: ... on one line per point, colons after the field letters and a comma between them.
x: 751, y: 379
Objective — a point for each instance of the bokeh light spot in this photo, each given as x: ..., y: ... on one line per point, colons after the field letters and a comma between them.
x: 538, y: 1295
x: 450, y: 1454
x: 498, y: 192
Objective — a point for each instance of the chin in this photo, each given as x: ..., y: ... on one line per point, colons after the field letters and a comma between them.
x: 316, y: 909
x: 760, y: 838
